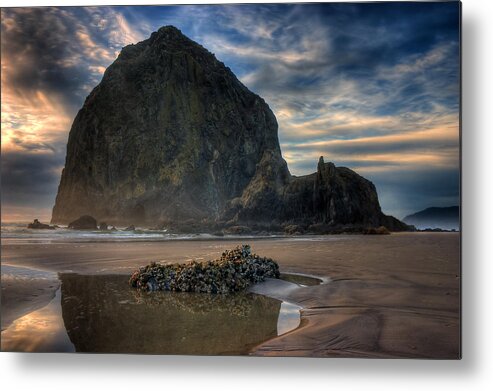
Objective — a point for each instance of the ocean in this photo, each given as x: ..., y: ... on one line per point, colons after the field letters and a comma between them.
x: 18, y: 232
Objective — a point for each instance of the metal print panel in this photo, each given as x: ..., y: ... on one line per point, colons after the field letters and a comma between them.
x: 264, y: 180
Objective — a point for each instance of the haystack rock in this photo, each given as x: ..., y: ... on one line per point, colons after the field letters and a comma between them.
x: 170, y: 136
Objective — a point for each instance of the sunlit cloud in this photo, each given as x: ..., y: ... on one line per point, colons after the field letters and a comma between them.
x: 25, y: 214
x: 51, y: 59
x: 35, y: 112
x: 33, y: 122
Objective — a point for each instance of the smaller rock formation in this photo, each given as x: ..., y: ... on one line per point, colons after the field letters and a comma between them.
x: 293, y: 229
x: 377, y: 231
x: 234, y: 271
x: 36, y: 224
x: 84, y: 223
x: 237, y: 230
x: 103, y: 226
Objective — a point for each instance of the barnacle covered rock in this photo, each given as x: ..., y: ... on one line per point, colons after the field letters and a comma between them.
x: 233, y: 272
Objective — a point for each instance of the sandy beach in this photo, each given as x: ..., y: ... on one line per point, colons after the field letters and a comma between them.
x: 383, y: 296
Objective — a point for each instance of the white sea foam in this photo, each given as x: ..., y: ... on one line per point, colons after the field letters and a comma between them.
x: 18, y: 233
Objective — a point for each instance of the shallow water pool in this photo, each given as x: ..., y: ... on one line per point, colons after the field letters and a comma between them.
x: 101, y: 313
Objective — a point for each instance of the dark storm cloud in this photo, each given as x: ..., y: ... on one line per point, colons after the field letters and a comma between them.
x: 30, y: 178
x: 41, y: 47
x: 58, y: 50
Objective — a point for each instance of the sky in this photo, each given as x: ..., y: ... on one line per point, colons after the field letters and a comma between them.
x: 370, y: 86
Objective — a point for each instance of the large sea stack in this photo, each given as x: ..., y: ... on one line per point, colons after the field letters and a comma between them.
x: 171, y: 137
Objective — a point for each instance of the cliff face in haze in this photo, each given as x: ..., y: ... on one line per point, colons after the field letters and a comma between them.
x: 170, y: 135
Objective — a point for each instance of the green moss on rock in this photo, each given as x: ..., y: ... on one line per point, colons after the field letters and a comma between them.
x: 234, y: 271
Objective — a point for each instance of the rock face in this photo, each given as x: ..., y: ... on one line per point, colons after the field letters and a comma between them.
x: 84, y: 222
x: 171, y: 137
x: 331, y: 197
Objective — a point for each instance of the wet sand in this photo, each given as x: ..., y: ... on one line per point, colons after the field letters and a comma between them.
x: 388, y: 296
x: 23, y: 293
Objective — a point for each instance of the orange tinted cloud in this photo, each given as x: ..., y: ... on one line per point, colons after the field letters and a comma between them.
x: 32, y: 120
x: 436, y: 147
x: 25, y: 214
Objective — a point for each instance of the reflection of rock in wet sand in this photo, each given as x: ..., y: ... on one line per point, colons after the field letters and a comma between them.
x: 102, y: 314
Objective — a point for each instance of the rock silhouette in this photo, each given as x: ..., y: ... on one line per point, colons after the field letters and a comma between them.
x: 36, y: 224
x: 170, y: 137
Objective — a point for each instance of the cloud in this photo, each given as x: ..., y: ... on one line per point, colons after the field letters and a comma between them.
x: 29, y: 179
x: 51, y: 59
x: 33, y: 121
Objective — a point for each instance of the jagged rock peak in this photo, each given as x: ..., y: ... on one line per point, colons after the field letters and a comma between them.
x: 166, y: 37
x: 170, y: 40
x: 169, y: 34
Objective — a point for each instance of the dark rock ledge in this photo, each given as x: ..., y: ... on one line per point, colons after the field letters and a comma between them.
x: 36, y: 224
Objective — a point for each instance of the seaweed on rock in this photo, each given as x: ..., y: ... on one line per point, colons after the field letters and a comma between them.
x: 234, y: 271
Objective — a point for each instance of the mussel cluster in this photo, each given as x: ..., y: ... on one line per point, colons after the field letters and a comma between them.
x: 233, y: 272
